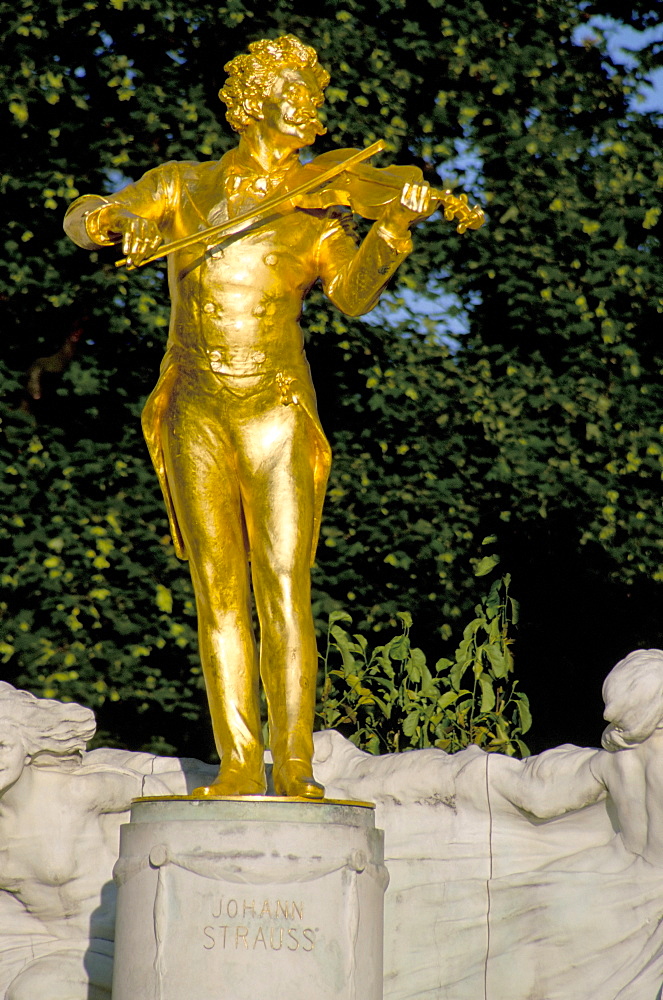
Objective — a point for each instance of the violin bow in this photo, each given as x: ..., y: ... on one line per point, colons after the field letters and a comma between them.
x: 246, y: 219
x: 454, y: 208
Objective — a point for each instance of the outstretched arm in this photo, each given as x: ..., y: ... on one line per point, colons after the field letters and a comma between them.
x: 111, y: 790
x: 553, y: 783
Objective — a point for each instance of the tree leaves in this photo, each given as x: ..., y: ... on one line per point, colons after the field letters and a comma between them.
x: 539, y: 429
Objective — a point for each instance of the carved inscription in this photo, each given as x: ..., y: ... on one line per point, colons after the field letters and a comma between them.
x: 258, y: 925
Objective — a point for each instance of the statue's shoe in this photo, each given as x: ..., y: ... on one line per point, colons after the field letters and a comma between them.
x: 233, y: 781
x: 295, y: 780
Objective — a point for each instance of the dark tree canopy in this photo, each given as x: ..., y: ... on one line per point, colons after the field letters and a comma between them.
x: 535, y: 440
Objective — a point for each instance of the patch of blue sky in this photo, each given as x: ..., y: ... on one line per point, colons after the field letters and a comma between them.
x: 106, y: 44
x: 115, y: 180
x: 177, y: 56
x: 437, y: 314
x: 464, y: 170
x: 622, y: 43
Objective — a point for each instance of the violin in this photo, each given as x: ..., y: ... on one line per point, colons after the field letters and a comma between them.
x: 366, y: 190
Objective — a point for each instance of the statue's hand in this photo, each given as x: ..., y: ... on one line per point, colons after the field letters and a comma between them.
x: 140, y: 237
x: 415, y: 203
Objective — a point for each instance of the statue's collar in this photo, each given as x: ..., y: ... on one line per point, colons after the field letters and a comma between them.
x: 243, y: 162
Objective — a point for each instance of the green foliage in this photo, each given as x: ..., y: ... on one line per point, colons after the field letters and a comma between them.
x: 84, y: 618
x: 541, y: 428
x: 388, y: 699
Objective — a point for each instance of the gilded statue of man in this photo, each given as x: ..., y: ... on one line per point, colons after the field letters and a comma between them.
x: 232, y: 425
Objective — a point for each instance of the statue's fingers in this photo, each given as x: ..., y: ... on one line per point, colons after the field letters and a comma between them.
x: 150, y: 237
x: 407, y: 197
x: 139, y: 245
x: 423, y: 198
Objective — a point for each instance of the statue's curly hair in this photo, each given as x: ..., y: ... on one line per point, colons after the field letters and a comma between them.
x: 253, y: 74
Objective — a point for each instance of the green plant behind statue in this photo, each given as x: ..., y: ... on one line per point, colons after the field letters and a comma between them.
x: 388, y: 699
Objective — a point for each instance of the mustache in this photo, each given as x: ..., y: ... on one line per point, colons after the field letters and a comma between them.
x: 306, y: 119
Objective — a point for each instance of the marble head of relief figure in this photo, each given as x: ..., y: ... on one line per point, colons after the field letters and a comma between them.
x: 633, y: 696
x: 41, y: 733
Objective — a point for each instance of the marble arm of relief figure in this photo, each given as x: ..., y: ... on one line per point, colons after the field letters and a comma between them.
x: 628, y: 771
x: 551, y: 784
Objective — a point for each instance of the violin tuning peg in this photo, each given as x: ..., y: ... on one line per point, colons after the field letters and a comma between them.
x: 477, y: 218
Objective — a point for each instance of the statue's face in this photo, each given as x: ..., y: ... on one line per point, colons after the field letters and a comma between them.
x: 13, y: 757
x: 290, y: 111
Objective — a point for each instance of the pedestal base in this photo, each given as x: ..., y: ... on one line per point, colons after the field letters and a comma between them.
x: 244, y: 899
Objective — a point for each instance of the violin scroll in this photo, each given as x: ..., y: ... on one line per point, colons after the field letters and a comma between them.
x: 458, y: 208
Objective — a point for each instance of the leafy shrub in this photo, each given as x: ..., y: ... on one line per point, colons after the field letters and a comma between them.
x: 388, y: 699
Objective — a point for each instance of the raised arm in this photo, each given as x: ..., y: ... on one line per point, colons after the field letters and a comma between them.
x: 354, y: 277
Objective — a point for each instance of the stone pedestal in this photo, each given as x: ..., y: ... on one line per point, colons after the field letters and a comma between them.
x: 248, y: 899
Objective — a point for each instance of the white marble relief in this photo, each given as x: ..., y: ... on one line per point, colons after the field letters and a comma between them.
x: 540, y: 878
x: 60, y: 812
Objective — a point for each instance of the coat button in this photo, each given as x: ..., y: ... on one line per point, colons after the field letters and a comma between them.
x: 258, y: 357
x: 270, y: 259
x: 209, y: 307
x: 259, y: 311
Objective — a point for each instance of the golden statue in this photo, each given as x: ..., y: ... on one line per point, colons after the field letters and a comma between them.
x: 232, y: 424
